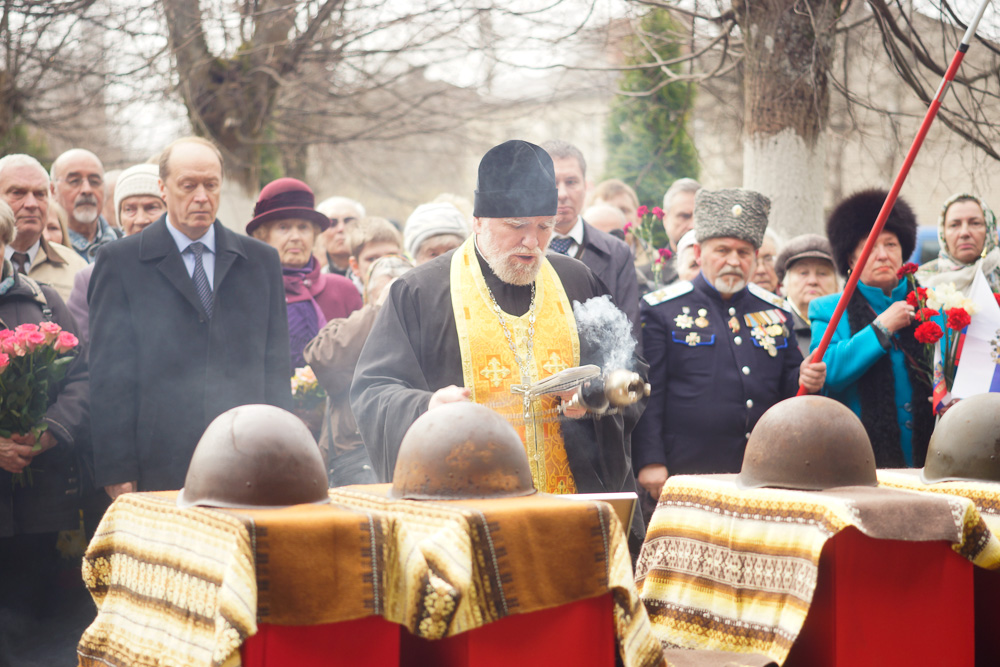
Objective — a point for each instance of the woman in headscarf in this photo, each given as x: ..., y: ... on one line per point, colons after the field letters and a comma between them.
x: 284, y: 218
x: 873, y: 361
x: 967, y: 232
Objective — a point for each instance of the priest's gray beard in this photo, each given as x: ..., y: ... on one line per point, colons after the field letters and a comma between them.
x: 503, y: 263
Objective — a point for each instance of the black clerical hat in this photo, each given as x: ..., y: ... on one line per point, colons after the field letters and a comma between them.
x: 516, y: 180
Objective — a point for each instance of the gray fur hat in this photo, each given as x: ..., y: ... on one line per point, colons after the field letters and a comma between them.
x: 735, y: 213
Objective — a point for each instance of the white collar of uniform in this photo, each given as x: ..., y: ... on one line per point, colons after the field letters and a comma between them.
x: 576, y: 233
x: 182, y: 241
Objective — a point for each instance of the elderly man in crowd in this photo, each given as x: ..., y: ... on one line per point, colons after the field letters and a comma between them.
x: 721, y: 351
x: 491, y: 314
x: 78, y: 186
x: 138, y: 205
x: 432, y: 230
x: 24, y: 185
x: 609, y: 258
x: 285, y: 219
x: 33, y: 511
x: 331, y: 246
x: 806, y: 270
x: 765, y: 275
x: 188, y: 320
x: 678, y: 219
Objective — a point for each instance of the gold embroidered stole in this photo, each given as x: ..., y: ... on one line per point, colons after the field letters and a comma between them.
x: 489, y: 368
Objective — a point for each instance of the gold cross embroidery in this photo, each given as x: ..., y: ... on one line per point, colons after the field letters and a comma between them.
x: 554, y: 363
x: 494, y: 372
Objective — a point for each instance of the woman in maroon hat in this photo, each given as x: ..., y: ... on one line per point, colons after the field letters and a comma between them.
x: 286, y: 219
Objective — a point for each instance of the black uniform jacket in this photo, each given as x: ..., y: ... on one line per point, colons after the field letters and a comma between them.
x: 711, y: 377
x: 161, y: 370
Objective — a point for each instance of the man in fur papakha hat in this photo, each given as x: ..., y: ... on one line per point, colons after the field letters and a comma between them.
x: 493, y: 313
x: 721, y: 350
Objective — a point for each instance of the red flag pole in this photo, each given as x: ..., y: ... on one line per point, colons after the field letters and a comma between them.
x: 890, y: 200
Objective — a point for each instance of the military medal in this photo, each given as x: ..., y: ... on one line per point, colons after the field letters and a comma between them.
x: 684, y: 320
x: 692, y: 339
x: 774, y: 330
x: 702, y: 321
x: 734, y: 324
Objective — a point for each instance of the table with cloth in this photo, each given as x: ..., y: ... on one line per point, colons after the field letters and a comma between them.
x: 734, y: 569
x: 189, y: 586
x: 986, y: 496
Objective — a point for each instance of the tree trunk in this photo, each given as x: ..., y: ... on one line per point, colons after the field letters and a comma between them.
x: 788, y: 45
x: 231, y: 100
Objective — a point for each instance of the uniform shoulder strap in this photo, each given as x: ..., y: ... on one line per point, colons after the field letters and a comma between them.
x: 669, y: 292
x: 770, y: 297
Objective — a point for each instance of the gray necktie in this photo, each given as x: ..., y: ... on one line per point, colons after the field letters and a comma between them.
x: 201, y: 278
x: 560, y: 245
x: 20, y: 262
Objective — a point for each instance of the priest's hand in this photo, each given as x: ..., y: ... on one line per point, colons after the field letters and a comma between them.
x: 449, y: 394
x: 116, y: 490
x: 652, y: 478
x: 812, y: 376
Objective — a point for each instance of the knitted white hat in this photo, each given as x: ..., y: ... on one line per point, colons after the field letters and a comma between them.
x: 429, y: 220
x: 141, y: 179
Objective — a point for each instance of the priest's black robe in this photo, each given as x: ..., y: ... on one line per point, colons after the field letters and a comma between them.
x: 413, y: 351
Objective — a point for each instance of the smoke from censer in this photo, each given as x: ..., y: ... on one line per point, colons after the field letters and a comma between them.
x: 607, y: 329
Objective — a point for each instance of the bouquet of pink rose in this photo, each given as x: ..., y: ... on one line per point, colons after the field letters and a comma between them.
x: 33, y: 357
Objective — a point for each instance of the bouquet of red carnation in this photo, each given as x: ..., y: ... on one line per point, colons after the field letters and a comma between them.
x: 943, y: 343
x: 643, y: 231
x: 33, y: 357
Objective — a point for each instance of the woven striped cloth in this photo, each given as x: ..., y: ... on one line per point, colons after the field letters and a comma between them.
x: 172, y: 587
x: 985, y: 495
x: 185, y: 587
x: 734, y: 570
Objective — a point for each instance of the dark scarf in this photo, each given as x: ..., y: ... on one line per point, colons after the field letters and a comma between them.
x: 305, y: 317
x: 877, y: 392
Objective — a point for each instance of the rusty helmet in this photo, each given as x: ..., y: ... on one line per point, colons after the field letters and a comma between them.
x: 810, y: 443
x: 461, y: 450
x: 965, y: 444
x: 255, y: 456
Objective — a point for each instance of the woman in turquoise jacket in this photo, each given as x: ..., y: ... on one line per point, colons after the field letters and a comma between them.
x: 870, y: 362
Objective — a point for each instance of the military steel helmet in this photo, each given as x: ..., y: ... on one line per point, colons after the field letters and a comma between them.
x: 461, y: 450
x: 966, y: 443
x: 810, y: 443
x: 255, y: 456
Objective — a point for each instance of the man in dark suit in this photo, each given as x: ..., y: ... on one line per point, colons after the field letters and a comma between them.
x: 187, y: 320
x: 609, y: 258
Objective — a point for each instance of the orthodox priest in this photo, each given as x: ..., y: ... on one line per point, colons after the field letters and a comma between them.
x: 493, y: 313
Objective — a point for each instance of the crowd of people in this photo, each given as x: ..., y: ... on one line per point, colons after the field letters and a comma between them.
x: 180, y: 318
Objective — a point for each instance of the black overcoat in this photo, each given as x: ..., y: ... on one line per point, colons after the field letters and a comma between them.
x: 161, y: 370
